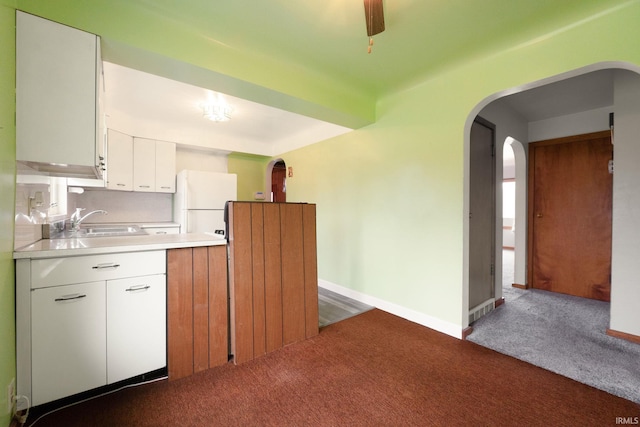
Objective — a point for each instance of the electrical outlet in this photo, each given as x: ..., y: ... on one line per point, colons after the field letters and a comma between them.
x: 11, y: 392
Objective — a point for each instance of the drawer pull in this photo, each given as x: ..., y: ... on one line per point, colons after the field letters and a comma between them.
x: 161, y: 232
x: 138, y: 288
x: 105, y: 266
x: 70, y: 297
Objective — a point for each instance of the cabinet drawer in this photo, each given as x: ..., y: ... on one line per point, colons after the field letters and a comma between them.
x: 91, y: 268
x: 162, y: 230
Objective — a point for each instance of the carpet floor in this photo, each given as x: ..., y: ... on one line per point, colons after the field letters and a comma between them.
x: 566, y: 335
x: 373, y: 369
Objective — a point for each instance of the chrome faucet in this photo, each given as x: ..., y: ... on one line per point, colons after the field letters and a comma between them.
x: 76, y: 220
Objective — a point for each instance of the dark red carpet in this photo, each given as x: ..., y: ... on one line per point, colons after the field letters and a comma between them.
x: 374, y: 369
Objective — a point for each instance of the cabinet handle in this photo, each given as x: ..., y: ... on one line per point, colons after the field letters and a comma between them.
x: 121, y: 185
x: 161, y: 232
x: 144, y: 186
x: 138, y: 288
x: 105, y: 266
x: 70, y: 297
x: 165, y: 187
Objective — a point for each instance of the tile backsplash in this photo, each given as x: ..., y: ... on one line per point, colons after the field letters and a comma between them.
x: 123, y: 206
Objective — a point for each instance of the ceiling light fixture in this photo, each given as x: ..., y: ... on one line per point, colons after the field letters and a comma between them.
x: 217, y: 109
x: 217, y: 113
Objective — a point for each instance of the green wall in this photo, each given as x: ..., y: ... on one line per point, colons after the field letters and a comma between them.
x: 7, y: 204
x: 251, y: 173
x: 391, y: 196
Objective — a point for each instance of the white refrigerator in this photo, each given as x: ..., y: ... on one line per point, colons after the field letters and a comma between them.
x: 198, y: 204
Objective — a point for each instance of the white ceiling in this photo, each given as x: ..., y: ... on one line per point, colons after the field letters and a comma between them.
x: 149, y: 106
x: 145, y: 105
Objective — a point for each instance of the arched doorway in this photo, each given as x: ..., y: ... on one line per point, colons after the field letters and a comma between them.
x: 514, y: 211
x: 276, y: 180
x: 509, y: 117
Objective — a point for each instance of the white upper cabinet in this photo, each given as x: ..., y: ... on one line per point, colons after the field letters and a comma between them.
x: 144, y: 164
x: 154, y: 165
x: 120, y: 161
x: 140, y: 164
x: 58, y: 71
x: 165, y: 167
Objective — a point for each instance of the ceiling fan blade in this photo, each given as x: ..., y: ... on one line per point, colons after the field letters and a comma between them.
x: 374, y: 17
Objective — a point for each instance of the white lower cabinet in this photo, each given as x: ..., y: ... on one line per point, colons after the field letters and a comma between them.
x: 68, y: 340
x: 136, y: 326
x: 88, y: 321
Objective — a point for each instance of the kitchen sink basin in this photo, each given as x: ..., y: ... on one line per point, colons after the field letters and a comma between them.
x: 103, y: 231
x: 113, y: 231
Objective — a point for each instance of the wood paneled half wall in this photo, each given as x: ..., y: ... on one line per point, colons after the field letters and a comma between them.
x: 197, y: 310
x: 273, y: 276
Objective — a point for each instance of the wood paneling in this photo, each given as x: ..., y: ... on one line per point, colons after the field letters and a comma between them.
x: 293, y: 316
x: 241, y: 276
x: 273, y: 276
x: 200, y: 309
x: 310, y: 270
x: 218, y: 306
x: 257, y: 263
x: 179, y: 313
x: 197, y: 310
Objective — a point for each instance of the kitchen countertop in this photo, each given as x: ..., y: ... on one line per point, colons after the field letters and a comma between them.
x: 54, y: 248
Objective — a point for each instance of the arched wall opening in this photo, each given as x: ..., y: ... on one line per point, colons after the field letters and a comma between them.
x: 269, y: 178
x: 626, y: 88
x: 519, y: 219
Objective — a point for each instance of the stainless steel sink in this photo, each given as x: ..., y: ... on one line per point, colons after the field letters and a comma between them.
x: 113, y: 230
x: 102, y: 230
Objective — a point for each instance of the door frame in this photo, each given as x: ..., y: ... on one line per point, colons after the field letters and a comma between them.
x: 488, y: 304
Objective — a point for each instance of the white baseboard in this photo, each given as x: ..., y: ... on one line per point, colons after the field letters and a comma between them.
x: 406, y: 313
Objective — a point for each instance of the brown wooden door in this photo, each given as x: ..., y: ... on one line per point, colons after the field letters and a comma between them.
x: 570, y: 197
x: 278, y: 182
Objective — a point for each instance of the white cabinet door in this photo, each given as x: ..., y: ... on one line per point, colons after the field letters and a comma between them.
x: 136, y: 326
x: 119, y: 161
x: 68, y: 333
x: 56, y: 94
x: 140, y: 164
x: 144, y: 164
x: 165, y: 167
